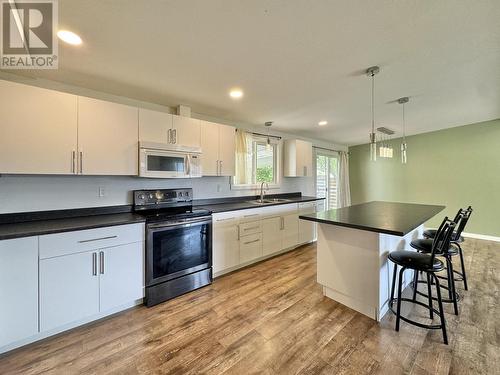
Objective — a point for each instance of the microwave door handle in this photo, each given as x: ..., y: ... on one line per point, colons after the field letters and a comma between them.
x: 188, y: 165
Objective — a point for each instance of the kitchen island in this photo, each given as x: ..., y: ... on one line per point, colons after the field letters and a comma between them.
x: 352, y: 250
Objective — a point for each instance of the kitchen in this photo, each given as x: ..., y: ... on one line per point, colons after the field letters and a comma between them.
x: 216, y: 218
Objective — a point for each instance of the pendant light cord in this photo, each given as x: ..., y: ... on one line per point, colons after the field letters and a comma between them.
x: 404, y: 124
x: 373, y: 103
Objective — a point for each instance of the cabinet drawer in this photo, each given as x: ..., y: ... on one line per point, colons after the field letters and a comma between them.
x: 250, y: 247
x: 250, y: 214
x: 282, y: 209
x: 225, y: 218
x: 57, y: 244
x: 250, y: 227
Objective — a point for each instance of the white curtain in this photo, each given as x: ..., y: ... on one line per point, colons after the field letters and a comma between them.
x: 243, y: 158
x: 344, y: 188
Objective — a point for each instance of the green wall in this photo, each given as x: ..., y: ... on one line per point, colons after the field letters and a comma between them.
x: 455, y: 167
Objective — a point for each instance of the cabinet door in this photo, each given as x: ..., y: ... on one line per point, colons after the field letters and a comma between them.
x: 210, y: 148
x: 307, y: 229
x: 225, y: 247
x: 290, y: 231
x: 227, y: 149
x: 186, y: 131
x: 18, y: 289
x: 121, y: 273
x: 271, y: 235
x: 107, y: 138
x: 304, y: 158
x: 250, y: 247
x: 69, y: 289
x: 154, y: 126
x: 38, y: 130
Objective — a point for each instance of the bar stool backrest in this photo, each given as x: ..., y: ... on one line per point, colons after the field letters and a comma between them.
x: 441, y: 242
x: 462, y: 222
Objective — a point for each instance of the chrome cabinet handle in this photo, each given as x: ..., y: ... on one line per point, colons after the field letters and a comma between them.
x: 305, y: 170
x: 249, y: 242
x: 94, y: 264
x: 169, y: 136
x: 97, y: 239
x: 81, y: 161
x: 188, y: 166
x: 174, y: 136
x: 220, y: 168
x: 251, y: 215
x: 229, y: 218
x: 73, y: 163
x: 238, y: 232
x: 282, y: 226
x: 101, y: 262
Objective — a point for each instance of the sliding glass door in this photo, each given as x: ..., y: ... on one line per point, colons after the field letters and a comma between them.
x: 327, y: 167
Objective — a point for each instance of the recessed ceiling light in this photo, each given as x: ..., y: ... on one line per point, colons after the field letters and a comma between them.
x: 236, y: 93
x: 69, y: 37
x: 322, y: 123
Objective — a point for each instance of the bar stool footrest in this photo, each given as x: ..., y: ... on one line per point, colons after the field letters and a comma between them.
x: 409, y: 321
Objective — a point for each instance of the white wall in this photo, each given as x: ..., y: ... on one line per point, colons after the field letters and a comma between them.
x: 38, y: 193
x: 19, y: 193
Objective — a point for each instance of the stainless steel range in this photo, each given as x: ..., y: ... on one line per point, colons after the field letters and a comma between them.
x: 178, y: 243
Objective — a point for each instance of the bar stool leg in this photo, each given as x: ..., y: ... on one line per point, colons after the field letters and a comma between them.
x: 441, y: 311
x: 415, y: 285
x: 394, y: 275
x: 462, y: 263
x: 429, y: 293
x: 451, y: 286
x: 400, y: 286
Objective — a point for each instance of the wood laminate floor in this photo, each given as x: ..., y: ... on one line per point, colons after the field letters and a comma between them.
x: 271, y: 318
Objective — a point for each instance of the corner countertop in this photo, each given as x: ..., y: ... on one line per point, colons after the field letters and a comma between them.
x: 393, y: 218
x: 27, y: 224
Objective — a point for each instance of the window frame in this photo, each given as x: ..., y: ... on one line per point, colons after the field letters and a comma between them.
x: 277, y: 165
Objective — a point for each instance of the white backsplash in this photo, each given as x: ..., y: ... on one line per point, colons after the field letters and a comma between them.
x: 39, y: 193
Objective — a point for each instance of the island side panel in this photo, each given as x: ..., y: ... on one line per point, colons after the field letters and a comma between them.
x: 387, y: 244
x: 348, y: 267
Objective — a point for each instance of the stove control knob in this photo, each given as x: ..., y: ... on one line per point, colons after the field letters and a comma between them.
x: 179, y: 194
x: 159, y: 195
x: 150, y: 196
x: 141, y: 197
x: 186, y: 194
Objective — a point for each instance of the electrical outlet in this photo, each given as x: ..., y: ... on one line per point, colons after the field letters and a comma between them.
x: 102, y: 191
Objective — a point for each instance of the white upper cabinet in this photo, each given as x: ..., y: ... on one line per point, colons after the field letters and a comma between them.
x: 186, y: 131
x: 38, y: 130
x: 107, y: 138
x: 154, y: 126
x: 218, y: 144
x: 210, y: 148
x: 298, y: 158
x: 227, y: 149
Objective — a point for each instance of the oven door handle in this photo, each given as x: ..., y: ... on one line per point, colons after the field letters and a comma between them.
x: 181, y: 224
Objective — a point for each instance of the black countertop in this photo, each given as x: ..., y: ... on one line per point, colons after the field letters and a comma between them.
x: 40, y: 227
x: 239, y: 204
x: 383, y: 217
x: 26, y: 224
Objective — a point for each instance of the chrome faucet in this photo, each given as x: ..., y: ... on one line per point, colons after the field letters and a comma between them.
x: 262, y: 193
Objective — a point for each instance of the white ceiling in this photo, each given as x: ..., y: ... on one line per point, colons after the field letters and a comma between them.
x: 298, y: 61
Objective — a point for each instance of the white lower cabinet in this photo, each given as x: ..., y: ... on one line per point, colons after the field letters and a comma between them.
x: 240, y: 237
x: 225, y: 244
x: 18, y: 289
x: 250, y: 247
x: 89, y: 273
x: 69, y: 289
x: 290, y: 230
x: 307, y: 229
x: 121, y: 280
x: 271, y: 235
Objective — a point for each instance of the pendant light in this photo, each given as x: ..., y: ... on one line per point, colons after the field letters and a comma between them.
x: 370, y: 72
x: 268, y: 125
x: 404, y: 146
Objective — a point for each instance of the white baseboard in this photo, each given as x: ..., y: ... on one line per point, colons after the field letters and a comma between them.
x: 481, y: 237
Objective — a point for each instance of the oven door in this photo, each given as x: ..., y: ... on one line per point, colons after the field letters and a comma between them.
x: 177, y: 249
x: 163, y: 164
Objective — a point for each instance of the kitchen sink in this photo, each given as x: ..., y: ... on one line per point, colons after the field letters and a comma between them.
x: 269, y: 201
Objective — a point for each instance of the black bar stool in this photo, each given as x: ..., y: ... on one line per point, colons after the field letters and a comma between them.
x: 456, y: 240
x: 428, y: 264
x: 425, y: 246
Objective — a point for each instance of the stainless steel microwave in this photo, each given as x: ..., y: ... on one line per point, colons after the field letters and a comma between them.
x: 159, y: 160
